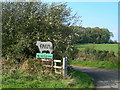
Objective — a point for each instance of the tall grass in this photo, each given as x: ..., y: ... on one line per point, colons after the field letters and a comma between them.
x: 98, y: 64
x: 25, y: 78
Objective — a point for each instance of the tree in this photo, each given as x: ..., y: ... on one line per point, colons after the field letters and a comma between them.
x: 24, y: 23
x: 93, y: 35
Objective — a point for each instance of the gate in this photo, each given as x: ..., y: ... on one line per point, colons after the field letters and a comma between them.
x: 56, y: 65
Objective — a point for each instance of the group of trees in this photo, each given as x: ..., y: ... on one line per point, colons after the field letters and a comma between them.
x: 113, y: 42
x: 93, y: 35
x: 25, y: 23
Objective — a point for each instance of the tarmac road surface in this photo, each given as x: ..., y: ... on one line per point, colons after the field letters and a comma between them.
x: 104, y: 78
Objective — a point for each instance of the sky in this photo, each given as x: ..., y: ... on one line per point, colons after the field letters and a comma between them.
x: 98, y: 14
x: 95, y: 13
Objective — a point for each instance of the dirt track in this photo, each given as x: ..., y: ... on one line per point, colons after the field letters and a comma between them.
x: 104, y: 78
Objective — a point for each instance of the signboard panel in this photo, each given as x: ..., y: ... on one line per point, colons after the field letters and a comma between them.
x: 44, y: 55
x: 44, y: 46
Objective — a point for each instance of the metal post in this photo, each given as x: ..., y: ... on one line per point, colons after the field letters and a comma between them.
x: 64, y: 66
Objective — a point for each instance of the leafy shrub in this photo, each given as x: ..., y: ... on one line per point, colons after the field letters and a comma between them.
x: 119, y: 56
x: 101, y: 55
x: 91, y: 54
x: 33, y: 22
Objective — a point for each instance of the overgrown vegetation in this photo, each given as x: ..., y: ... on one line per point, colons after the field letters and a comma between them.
x: 102, y: 47
x: 14, y: 76
x: 98, y: 64
x: 90, y: 56
x: 25, y: 23
x: 92, y: 35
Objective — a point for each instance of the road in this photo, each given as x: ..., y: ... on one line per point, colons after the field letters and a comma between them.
x: 104, y: 78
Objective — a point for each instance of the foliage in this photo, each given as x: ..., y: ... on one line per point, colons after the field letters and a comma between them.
x: 81, y: 80
x: 25, y: 23
x: 119, y: 57
x: 98, y: 55
x: 98, y: 64
x: 91, y: 55
x: 113, y: 42
x: 35, y: 66
x: 23, y: 79
x: 102, y: 47
x: 92, y: 35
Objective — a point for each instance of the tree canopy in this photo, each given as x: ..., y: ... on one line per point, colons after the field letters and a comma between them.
x: 25, y: 23
x: 93, y: 35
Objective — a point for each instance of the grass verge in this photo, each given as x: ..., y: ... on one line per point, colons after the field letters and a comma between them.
x: 20, y: 79
x: 80, y: 79
x: 98, y: 64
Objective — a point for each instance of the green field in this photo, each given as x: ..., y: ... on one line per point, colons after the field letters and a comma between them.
x: 107, y: 47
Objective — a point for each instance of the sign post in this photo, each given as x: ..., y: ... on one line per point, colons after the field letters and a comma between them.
x: 65, y: 66
x: 47, y: 57
x: 44, y: 55
x: 44, y: 46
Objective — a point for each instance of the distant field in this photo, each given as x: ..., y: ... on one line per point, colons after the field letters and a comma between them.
x: 107, y: 47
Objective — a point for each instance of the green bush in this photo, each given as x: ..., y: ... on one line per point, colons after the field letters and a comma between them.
x: 24, y: 79
x: 99, y: 55
x: 90, y: 53
x: 37, y: 21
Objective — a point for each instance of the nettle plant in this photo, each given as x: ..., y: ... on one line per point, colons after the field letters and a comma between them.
x: 33, y: 65
x: 36, y: 66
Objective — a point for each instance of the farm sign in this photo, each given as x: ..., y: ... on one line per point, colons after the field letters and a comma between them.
x: 44, y: 46
x: 44, y: 55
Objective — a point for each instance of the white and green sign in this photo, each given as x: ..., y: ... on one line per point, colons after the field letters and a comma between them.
x: 44, y: 55
x: 44, y: 46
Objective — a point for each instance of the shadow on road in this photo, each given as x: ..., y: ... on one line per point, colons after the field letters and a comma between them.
x: 104, y: 78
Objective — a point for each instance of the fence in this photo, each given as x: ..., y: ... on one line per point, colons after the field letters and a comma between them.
x: 56, y: 65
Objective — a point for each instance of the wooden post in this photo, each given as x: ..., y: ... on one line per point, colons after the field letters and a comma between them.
x: 65, y: 66
x: 55, y: 66
x: 52, y: 63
